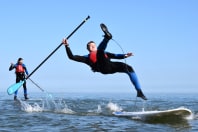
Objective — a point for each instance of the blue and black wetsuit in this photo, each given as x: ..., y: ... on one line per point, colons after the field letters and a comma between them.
x: 104, y: 65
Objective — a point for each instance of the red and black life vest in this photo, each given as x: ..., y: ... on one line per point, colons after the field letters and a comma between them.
x: 93, y: 56
x: 20, y: 68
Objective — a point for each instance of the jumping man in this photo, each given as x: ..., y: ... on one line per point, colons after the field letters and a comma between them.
x: 99, y: 60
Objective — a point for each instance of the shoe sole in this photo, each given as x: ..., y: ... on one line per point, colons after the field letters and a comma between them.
x: 105, y: 30
x: 103, y: 27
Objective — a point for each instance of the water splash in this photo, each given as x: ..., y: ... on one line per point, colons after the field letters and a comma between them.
x: 61, y: 107
x: 30, y: 108
x: 113, y: 107
x: 98, y: 110
x: 47, y: 104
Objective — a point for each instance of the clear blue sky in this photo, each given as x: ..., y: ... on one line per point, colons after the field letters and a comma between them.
x: 162, y: 35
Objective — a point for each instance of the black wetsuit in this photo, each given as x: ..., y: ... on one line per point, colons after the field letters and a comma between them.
x: 105, y: 66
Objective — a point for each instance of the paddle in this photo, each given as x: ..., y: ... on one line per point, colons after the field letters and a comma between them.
x: 48, y: 94
x: 36, y: 85
x: 16, y: 86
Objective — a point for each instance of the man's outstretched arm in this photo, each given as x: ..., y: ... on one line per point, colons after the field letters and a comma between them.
x: 70, y: 55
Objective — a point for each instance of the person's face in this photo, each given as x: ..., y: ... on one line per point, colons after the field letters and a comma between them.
x: 21, y: 61
x: 92, y: 47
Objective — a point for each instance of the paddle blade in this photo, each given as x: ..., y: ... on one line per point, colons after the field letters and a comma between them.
x: 14, y: 87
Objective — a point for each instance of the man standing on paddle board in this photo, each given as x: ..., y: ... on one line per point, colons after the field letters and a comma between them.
x: 99, y: 60
x: 20, y: 71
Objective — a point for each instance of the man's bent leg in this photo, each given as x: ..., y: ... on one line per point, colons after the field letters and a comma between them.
x: 103, y: 44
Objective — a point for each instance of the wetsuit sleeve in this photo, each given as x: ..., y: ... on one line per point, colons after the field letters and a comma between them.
x: 11, y: 67
x: 115, y: 56
x: 77, y: 58
x: 26, y: 71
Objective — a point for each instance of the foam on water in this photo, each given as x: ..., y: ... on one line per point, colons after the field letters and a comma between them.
x: 61, y: 107
x: 98, y: 110
x: 47, y: 104
x: 113, y: 107
x: 30, y: 108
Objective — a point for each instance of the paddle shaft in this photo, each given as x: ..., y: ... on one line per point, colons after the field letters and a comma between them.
x: 56, y: 48
x: 36, y: 85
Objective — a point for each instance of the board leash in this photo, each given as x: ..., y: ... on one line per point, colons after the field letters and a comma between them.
x: 119, y: 45
x: 125, y: 61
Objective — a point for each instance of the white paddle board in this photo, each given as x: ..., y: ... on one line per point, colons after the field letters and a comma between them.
x: 183, y: 112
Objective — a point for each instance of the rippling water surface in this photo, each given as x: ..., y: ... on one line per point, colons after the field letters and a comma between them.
x: 93, y: 112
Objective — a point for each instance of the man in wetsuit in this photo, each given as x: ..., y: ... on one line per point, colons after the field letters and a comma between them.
x: 20, y: 71
x: 99, y: 60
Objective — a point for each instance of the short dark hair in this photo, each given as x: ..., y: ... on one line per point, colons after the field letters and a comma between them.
x: 20, y: 59
x: 89, y: 43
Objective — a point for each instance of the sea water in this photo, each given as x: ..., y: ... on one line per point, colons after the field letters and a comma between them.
x: 62, y: 112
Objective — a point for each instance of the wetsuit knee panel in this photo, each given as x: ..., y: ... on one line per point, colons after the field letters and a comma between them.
x: 129, y: 68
